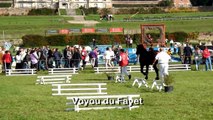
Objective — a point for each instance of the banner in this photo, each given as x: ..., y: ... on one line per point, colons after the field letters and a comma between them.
x: 132, y: 55
x: 64, y: 31
x: 113, y: 30
x: 102, y: 30
x: 88, y: 30
x: 75, y: 30
x: 52, y: 31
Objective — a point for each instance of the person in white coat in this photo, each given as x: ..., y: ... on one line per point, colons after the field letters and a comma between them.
x: 163, y: 61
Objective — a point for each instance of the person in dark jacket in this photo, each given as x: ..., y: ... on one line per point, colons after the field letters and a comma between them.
x: 57, y: 57
x: 187, y: 51
x: 50, y: 58
x: 66, y: 64
x: 76, y: 58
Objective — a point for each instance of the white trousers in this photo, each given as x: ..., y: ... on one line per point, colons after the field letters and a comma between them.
x: 108, y: 63
x: 92, y: 62
x: 164, y: 70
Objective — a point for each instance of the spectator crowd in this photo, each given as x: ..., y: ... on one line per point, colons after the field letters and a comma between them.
x: 71, y: 56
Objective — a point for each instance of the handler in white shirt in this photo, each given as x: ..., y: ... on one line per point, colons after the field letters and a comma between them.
x: 107, y: 56
x: 163, y: 61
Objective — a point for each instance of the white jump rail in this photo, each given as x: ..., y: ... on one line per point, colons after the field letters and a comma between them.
x: 62, y: 71
x: 179, y: 67
x: 79, y: 89
x: 172, y: 67
x: 53, y: 79
x: 103, y: 102
x: 107, y: 69
x: 20, y: 72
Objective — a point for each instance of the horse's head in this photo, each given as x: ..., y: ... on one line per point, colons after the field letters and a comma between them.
x: 141, y: 49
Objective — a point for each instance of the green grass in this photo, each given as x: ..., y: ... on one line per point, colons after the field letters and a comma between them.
x: 17, y: 26
x: 168, y: 15
x: 63, y: 11
x: 21, y: 99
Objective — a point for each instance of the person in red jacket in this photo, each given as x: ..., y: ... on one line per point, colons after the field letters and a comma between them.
x: 7, y: 59
x: 123, y: 62
x: 207, y: 58
x: 83, y: 57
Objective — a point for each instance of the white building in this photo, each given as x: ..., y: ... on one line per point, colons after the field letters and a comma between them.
x: 73, y: 4
x: 63, y: 4
x: 182, y: 3
x: 35, y: 3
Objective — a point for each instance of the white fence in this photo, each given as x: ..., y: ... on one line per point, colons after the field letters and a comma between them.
x: 172, y: 67
x: 79, y: 89
x: 53, y: 79
x: 20, y: 72
x: 62, y: 71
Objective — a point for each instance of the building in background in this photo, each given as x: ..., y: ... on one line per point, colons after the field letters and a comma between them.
x: 73, y: 4
x: 182, y: 3
x: 35, y: 3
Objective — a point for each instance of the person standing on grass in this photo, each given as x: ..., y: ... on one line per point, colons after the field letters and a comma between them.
x: 107, y: 57
x: 7, y: 60
x: 34, y: 59
x: 207, y: 58
x: 171, y: 43
x: 83, y: 57
x: 76, y: 58
x: 93, y: 42
x: 112, y: 56
x: 163, y: 61
x: 123, y: 62
x: 57, y: 58
x: 96, y: 56
x: 130, y: 43
x: 180, y: 53
x: 18, y: 60
x: 197, y: 57
x: 187, y: 54
x: 23, y: 56
x: 66, y: 63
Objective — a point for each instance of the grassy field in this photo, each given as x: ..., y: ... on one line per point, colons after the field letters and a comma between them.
x: 167, y: 15
x: 17, y: 26
x: 21, y: 99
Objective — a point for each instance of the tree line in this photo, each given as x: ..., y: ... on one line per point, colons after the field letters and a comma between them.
x: 202, y: 2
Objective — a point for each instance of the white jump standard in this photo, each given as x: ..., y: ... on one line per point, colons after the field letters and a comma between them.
x: 119, y: 78
x: 140, y: 82
x: 158, y: 84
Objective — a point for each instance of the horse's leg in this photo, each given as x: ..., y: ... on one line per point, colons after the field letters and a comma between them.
x: 142, y: 66
x: 156, y: 70
x: 147, y: 71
